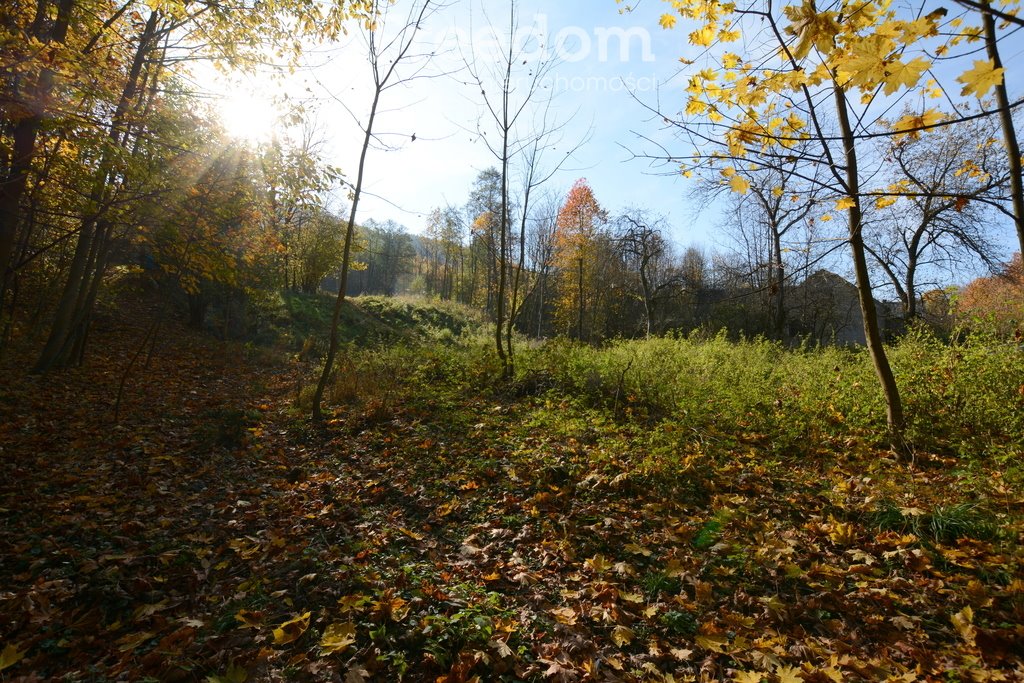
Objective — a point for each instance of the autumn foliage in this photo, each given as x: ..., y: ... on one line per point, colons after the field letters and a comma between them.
x: 997, y: 299
x: 578, y: 259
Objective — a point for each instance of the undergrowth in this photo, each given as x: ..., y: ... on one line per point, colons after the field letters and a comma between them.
x: 963, y: 399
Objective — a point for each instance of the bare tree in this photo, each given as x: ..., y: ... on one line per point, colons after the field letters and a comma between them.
x: 518, y: 128
x: 390, y: 42
x: 767, y: 223
x: 540, y: 242
x: 951, y: 179
x: 648, y: 255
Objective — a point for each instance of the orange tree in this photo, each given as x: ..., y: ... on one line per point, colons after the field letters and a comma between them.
x: 578, y: 260
x: 997, y: 300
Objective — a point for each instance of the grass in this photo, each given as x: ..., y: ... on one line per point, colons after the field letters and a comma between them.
x: 943, y: 524
x: 301, y: 322
x: 690, y: 394
x: 964, y: 399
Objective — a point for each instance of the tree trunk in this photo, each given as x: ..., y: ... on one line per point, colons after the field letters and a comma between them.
x: 339, y: 302
x: 778, y: 284
x: 579, y: 322
x: 197, y: 304
x: 513, y: 312
x: 91, y: 249
x: 25, y: 132
x: 1009, y: 131
x: 872, y: 333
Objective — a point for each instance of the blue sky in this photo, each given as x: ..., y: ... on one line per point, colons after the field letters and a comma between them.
x: 596, y: 85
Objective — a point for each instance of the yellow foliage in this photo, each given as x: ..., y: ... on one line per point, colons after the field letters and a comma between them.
x: 981, y: 78
x: 883, y: 202
x: 812, y: 28
x: 912, y: 123
x: 739, y: 184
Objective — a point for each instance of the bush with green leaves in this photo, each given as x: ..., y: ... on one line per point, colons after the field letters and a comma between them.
x: 964, y: 398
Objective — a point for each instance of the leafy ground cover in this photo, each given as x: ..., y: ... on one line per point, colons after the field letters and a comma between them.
x: 571, y: 526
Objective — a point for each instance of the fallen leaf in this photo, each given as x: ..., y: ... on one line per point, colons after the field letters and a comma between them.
x: 681, y: 654
x: 622, y: 635
x: 599, y: 564
x: 133, y: 640
x: 247, y: 619
x: 748, y: 676
x: 564, y: 615
x: 10, y: 656
x: 234, y: 674
x: 963, y: 622
x: 788, y: 674
x: 714, y: 643
x: 337, y: 637
x: 292, y: 629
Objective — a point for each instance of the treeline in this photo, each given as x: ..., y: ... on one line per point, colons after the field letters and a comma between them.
x: 591, y: 275
x: 110, y: 165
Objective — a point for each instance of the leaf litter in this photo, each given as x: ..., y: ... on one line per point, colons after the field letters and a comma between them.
x: 211, y: 534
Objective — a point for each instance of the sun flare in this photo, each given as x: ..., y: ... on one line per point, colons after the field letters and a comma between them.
x: 247, y: 114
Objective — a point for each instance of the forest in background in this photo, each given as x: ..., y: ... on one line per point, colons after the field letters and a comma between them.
x: 581, y: 452
x: 113, y: 164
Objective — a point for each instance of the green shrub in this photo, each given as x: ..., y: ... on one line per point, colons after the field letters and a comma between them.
x: 964, y: 398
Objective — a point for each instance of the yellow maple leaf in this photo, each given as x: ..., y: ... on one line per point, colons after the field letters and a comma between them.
x: 865, y: 64
x: 622, y: 635
x: 911, y: 31
x: 713, y: 642
x: 845, y: 203
x: 963, y: 622
x: 695, y: 106
x: 789, y: 674
x: 337, y: 637
x: 598, y: 564
x: 748, y: 676
x: 249, y: 619
x: 739, y: 185
x: 292, y: 629
x: 704, y: 36
x: 981, y: 78
x: 812, y: 28
x: 564, y: 615
x: 667, y: 21
x: 912, y: 123
x: 900, y: 75
x: 883, y: 202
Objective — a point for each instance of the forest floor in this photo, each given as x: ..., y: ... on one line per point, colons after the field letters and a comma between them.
x: 435, y: 532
